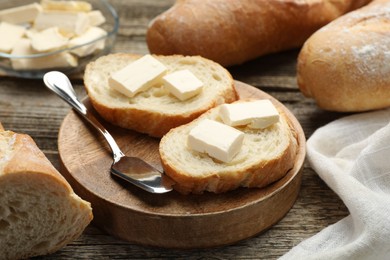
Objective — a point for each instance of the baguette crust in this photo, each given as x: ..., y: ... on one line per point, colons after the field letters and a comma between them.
x: 41, y: 211
x: 195, y: 172
x: 155, y: 111
x: 345, y: 65
x: 231, y: 32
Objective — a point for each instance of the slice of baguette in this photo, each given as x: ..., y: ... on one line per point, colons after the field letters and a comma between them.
x: 39, y: 212
x: 265, y: 157
x: 156, y: 111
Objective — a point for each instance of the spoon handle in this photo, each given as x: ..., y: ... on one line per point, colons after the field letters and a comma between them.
x: 59, y: 83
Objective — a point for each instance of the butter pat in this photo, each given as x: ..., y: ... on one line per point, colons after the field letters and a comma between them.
x: 218, y: 140
x: 91, y: 34
x: 21, y: 14
x: 23, y: 48
x: 69, y: 23
x: 72, y: 6
x: 183, y: 84
x: 256, y: 114
x: 96, y: 18
x: 137, y: 76
x: 10, y: 35
x: 48, y: 40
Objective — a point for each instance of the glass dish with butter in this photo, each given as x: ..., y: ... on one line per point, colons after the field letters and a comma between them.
x: 43, y: 35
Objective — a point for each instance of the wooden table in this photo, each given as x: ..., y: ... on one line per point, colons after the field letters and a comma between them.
x: 27, y: 106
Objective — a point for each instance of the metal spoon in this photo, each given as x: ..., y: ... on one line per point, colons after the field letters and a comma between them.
x: 131, y: 169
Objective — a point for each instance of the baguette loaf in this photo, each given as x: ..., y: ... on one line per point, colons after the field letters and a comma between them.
x: 231, y: 32
x: 39, y: 212
x: 265, y: 157
x: 345, y: 65
x: 155, y: 111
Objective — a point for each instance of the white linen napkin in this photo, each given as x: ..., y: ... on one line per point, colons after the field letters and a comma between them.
x: 352, y: 155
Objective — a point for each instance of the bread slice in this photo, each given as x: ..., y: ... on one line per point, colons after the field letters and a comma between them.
x: 265, y: 157
x: 39, y: 212
x: 156, y: 111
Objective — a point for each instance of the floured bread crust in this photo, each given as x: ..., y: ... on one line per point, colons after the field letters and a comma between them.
x: 345, y: 66
x: 232, y: 32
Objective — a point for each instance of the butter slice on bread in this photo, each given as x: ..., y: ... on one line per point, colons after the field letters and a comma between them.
x: 39, y: 212
x: 266, y: 156
x: 155, y: 111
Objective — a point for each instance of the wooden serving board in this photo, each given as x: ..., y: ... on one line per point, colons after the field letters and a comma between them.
x: 169, y: 220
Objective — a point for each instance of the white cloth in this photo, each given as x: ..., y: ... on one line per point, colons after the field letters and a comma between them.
x: 352, y: 155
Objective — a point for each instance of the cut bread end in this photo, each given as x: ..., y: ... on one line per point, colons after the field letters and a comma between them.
x: 265, y: 157
x: 155, y: 111
x: 39, y: 212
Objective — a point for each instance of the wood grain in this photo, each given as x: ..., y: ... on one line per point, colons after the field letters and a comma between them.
x: 27, y: 106
x: 169, y: 220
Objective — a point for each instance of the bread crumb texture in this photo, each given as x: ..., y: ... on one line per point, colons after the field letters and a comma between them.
x: 39, y: 212
x: 157, y: 97
x: 155, y: 111
x: 265, y: 156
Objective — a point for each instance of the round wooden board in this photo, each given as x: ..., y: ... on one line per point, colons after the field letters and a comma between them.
x: 169, y: 220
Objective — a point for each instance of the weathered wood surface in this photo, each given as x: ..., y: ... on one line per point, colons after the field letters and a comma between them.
x: 27, y: 106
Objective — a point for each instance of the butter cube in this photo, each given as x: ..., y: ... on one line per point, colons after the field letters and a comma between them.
x: 23, y: 48
x: 69, y: 23
x: 218, y: 140
x: 10, y: 35
x: 21, y: 14
x: 96, y: 18
x: 72, y: 6
x: 256, y: 114
x: 30, y: 33
x: 137, y: 76
x: 91, y: 34
x: 48, y: 40
x: 183, y: 84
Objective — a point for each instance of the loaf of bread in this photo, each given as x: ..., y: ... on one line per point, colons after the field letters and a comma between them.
x: 155, y: 111
x: 39, y: 212
x: 266, y: 156
x: 345, y: 65
x: 231, y: 32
